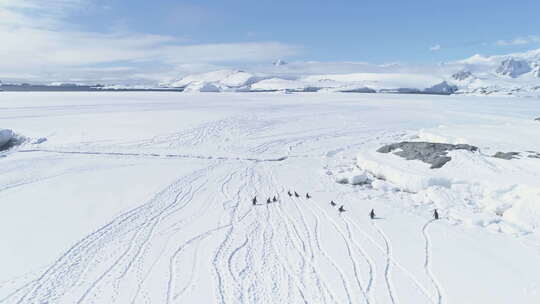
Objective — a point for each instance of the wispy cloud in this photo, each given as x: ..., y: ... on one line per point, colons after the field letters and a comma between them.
x: 434, y: 48
x: 519, y: 41
x: 37, y: 40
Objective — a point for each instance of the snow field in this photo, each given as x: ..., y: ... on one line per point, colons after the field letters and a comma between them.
x: 146, y: 198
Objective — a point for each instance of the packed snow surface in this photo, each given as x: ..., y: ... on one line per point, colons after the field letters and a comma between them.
x: 148, y: 198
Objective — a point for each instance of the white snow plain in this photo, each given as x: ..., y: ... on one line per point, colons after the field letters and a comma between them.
x: 147, y: 198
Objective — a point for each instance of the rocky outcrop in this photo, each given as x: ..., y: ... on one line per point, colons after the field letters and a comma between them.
x: 506, y: 155
x: 461, y: 75
x: 434, y: 154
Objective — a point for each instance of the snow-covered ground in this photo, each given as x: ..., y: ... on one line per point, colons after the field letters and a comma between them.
x: 147, y: 198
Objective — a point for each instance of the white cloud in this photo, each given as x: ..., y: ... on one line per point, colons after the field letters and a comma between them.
x: 519, y: 41
x: 37, y: 40
x: 434, y: 48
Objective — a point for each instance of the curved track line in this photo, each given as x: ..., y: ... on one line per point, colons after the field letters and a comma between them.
x: 349, y: 251
x: 420, y: 287
x: 330, y: 260
x: 369, y: 262
x: 427, y: 264
x: 388, y: 267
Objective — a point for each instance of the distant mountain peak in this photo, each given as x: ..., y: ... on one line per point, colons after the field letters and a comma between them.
x: 513, y: 67
x: 279, y: 62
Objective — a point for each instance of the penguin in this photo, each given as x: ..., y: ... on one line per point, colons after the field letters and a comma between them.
x: 268, y: 201
x: 341, y: 209
x: 296, y: 194
x: 289, y: 193
x: 436, y: 214
x: 372, y: 214
x: 254, y: 201
x: 274, y: 199
x: 332, y: 203
x: 307, y: 196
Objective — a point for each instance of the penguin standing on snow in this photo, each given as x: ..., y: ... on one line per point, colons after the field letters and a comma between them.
x: 254, y: 201
x: 268, y: 201
x: 436, y: 214
x: 307, y: 196
x: 341, y: 209
x: 274, y: 199
x: 289, y: 193
x: 296, y: 194
x: 372, y: 214
x: 332, y: 203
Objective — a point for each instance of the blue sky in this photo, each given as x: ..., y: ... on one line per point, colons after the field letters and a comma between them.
x: 166, y: 37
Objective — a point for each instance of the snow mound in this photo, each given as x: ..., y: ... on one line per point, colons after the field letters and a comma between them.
x: 353, y: 177
x: 474, y: 188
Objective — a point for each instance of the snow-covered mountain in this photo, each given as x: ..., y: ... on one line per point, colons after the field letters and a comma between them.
x: 221, y: 80
x: 513, y: 74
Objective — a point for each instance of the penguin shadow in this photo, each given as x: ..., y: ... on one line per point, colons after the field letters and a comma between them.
x: 378, y: 218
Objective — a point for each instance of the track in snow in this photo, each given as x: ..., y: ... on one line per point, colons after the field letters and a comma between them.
x: 440, y: 299
x: 200, y: 237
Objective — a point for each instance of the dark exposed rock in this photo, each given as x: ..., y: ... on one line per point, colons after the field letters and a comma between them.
x: 10, y: 144
x: 462, y: 75
x: 506, y: 155
x: 431, y: 153
x: 8, y: 139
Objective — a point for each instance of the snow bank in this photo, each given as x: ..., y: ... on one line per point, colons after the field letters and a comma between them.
x: 474, y: 187
x: 353, y: 177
